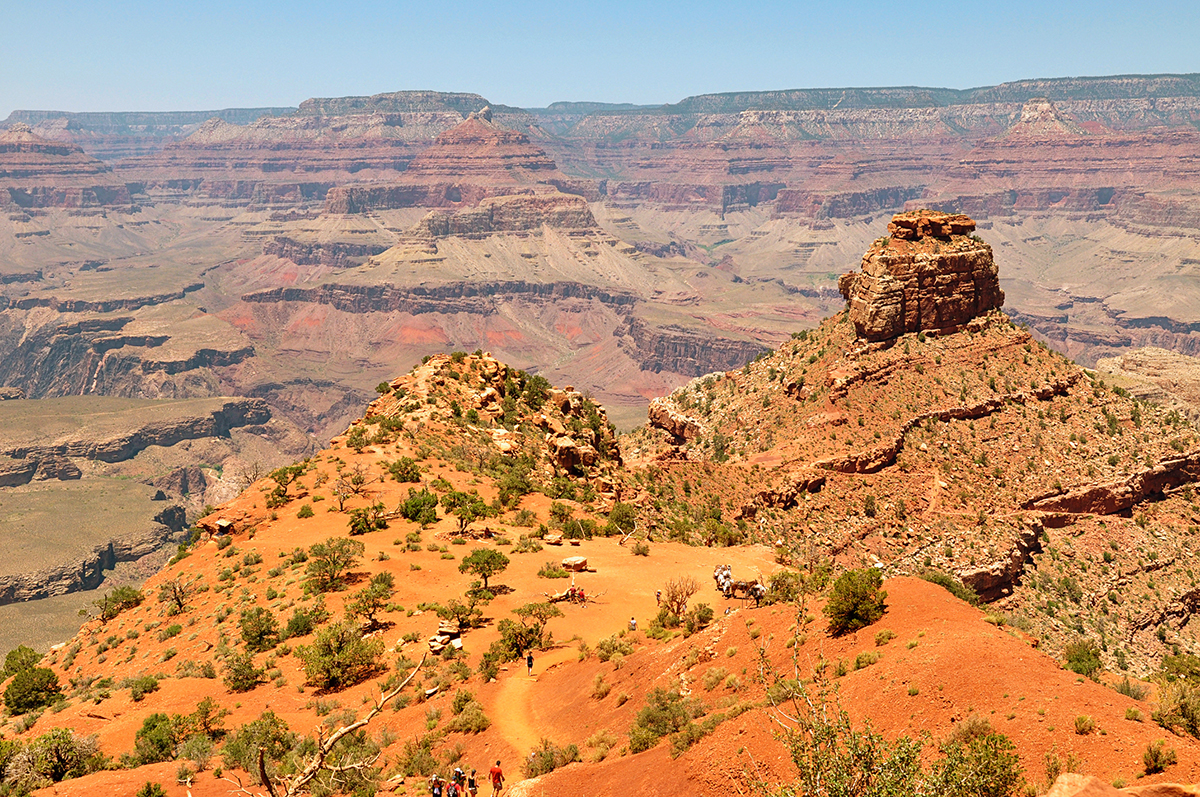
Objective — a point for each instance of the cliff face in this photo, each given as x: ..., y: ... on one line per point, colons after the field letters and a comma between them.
x: 86, y: 571
x: 460, y: 297
x: 510, y: 214
x: 683, y: 351
x: 927, y: 275
x: 217, y: 422
x: 37, y: 173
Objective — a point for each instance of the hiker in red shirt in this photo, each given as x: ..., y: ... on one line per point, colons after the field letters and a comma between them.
x: 497, y: 776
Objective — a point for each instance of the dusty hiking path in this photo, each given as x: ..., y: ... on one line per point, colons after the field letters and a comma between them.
x: 514, y: 714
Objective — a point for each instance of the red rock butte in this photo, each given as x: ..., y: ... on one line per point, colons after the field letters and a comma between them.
x: 929, y: 274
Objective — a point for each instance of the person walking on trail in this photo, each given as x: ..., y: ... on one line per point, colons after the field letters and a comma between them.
x: 632, y: 624
x: 658, y: 597
x: 497, y: 776
x: 529, y: 662
x: 472, y: 785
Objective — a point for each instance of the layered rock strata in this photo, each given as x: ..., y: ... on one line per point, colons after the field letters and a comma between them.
x: 930, y: 274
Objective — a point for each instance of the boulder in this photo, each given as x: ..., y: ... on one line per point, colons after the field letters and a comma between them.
x: 575, y: 564
x: 930, y: 274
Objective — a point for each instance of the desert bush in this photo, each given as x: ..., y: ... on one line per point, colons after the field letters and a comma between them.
x: 640, y: 548
x: 260, y: 629
x: 547, y: 757
x: 1130, y: 689
x: 883, y: 637
x: 613, y: 645
x: 31, y: 689
x: 19, y: 659
x: 1084, y: 725
x: 340, y: 657
x: 155, y: 741
x: 1157, y: 757
x: 856, y: 600
x: 117, y: 601
x: 367, y: 519
x: 784, y: 586
x: 303, y: 621
x: 1179, y: 707
x: 714, y: 677
x: 329, y: 562
x: 553, y: 570
x: 268, y: 733
x: 665, y: 712
x: 1082, y: 657
x: 697, y: 618
x: 140, y: 686
x: 373, y: 598
x: 470, y: 719
x: 240, y: 673
x: 951, y: 585
x: 405, y: 469
x: 484, y: 563
x: 50, y: 758
x: 420, y: 506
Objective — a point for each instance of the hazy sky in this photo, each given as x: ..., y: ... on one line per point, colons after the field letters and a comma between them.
x: 209, y: 55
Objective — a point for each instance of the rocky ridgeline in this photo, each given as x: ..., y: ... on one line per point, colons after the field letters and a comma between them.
x: 519, y: 213
x: 928, y: 275
x: 497, y: 407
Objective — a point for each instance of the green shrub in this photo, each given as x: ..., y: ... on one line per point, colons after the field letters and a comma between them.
x: 405, y: 469
x: 1157, y: 757
x: 951, y: 585
x: 697, y: 617
x: 547, y: 757
x: 607, y: 648
x: 268, y: 733
x: 367, y: 519
x: 52, y: 757
x: 330, y: 560
x: 117, y: 601
x: 856, y: 600
x: 470, y: 719
x: 985, y: 766
x: 240, y: 673
x: 303, y: 621
x: 18, y: 660
x: 1130, y: 689
x: 553, y: 570
x: 420, y: 506
x: 1083, y: 657
x: 32, y: 689
x: 1084, y: 725
x: 141, y: 686
x: 260, y: 629
x: 306, y: 511
x: 340, y: 657
x: 665, y: 712
x: 155, y: 740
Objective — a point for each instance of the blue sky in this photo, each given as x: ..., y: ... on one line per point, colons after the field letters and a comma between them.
x: 91, y: 56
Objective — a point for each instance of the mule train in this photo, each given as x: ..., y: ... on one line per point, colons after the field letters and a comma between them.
x: 730, y: 588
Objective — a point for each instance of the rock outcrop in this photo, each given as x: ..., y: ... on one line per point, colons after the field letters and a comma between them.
x: 517, y: 213
x: 928, y: 275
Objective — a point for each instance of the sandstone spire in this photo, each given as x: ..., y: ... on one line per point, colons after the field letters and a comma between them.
x: 929, y: 274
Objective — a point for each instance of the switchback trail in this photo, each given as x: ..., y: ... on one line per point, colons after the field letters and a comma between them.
x: 514, y: 715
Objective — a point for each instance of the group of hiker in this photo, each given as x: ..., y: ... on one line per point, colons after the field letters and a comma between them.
x: 463, y: 785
